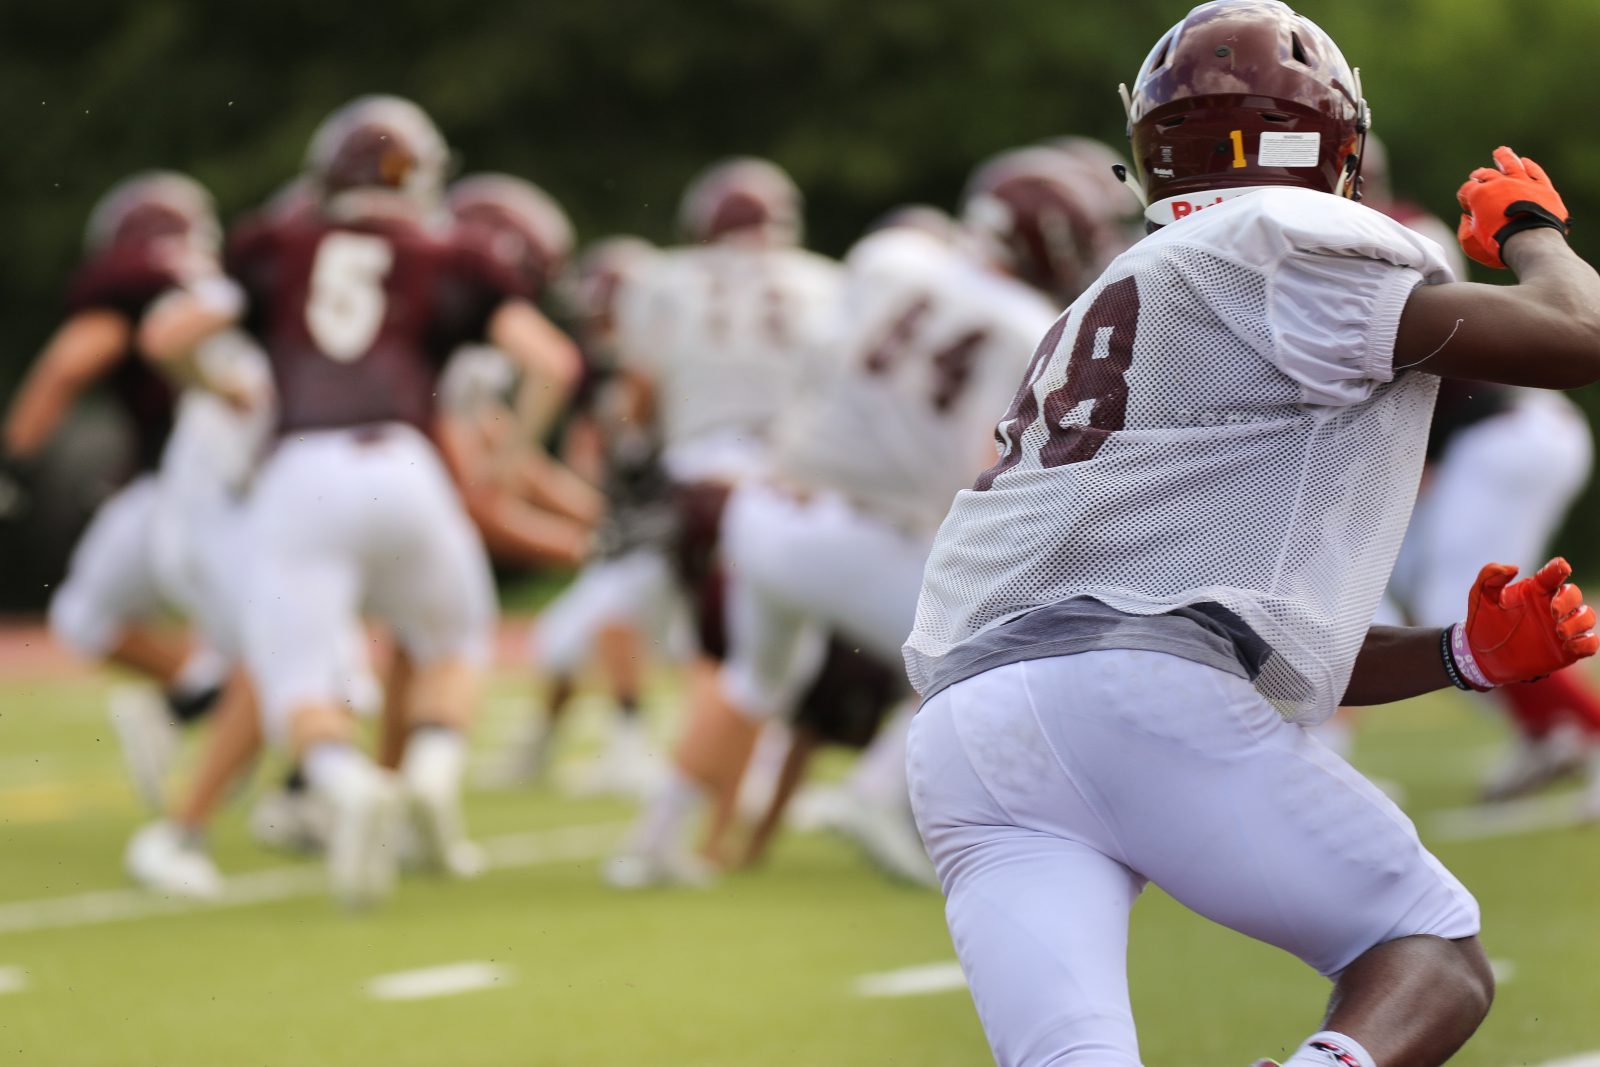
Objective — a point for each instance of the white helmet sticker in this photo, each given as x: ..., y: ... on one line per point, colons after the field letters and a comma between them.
x: 1290, y: 149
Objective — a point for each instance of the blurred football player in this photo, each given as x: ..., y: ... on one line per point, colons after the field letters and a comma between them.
x: 929, y: 344
x: 357, y: 307
x: 718, y: 336
x: 152, y: 235
x: 1127, y: 622
x: 624, y: 600
x: 1504, y: 466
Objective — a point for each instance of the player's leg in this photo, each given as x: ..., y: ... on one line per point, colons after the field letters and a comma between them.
x: 860, y: 577
x: 308, y: 533
x: 1243, y: 817
x: 1039, y: 917
x: 559, y: 643
x: 434, y: 586
x: 170, y: 855
x: 103, y: 610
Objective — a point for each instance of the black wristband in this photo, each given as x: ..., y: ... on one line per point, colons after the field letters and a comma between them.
x: 1451, y: 671
x: 1527, y: 215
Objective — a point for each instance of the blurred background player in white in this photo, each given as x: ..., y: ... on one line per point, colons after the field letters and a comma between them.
x: 719, y: 335
x: 357, y: 308
x: 928, y: 344
x: 1207, y: 474
x: 624, y: 607
x: 1504, y: 467
x: 152, y: 234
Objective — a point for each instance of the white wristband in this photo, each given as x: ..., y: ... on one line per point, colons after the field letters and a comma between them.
x: 1466, y: 663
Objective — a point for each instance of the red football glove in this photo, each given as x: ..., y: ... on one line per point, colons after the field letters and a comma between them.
x: 1502, y: 202
x: 1520, y: 631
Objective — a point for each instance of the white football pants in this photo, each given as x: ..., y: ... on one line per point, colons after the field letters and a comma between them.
x: 1497, y: 495
x: 111, y: 581
x: 1049, y: 792
x: 344, y: 522
x: 636, y: 589
x: 799, y: 569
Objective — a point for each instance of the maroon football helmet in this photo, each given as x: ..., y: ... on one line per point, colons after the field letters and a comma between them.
x: 159, y: 213
x: 517, y: 221
x: 379, y: 142
x: 1242, y: 94
x: 741, y: 197
x: 1034, y: 211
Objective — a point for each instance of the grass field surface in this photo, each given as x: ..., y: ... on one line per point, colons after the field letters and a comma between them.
x: 813, y: 961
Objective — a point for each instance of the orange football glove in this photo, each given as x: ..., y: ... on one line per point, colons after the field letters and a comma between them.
x: 1520, y: 631
x: 1499, y: 203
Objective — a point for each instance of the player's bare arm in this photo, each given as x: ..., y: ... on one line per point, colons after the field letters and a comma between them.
x: 85, y: 347
x: 547, y: 357
x: 1515, y: 631
x: 171, y: 334
x: 1544, y: 331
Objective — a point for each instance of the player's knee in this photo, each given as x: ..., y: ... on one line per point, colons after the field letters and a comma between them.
x: 80, y: 624
x: 1473, y: 978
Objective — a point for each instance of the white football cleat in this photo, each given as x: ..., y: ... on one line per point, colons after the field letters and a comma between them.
x: 626, y: 767
x: 362, y: 854
x: 820, y: 807
x: 162, y: 858
x: 1536, y: 762
x: 431, y: 776
x: 290, y: 821
x: 632, y: 869
x: 148, y: 737
x: 890, y: 840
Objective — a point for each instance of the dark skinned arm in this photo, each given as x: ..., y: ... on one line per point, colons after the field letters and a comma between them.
x: 1543, y: 332
x: 1396, y: 663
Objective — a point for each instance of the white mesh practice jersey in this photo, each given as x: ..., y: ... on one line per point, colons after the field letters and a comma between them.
x: 724, y: 331
x: 1218, y: 419
x: 926, y: 354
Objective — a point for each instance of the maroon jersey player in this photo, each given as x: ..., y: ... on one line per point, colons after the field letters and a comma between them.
x: 357, y: 305
x: 152, y: 234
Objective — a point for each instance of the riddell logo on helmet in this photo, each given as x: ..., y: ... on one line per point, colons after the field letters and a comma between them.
x: 1174, y: 208
x: 1181, y: 208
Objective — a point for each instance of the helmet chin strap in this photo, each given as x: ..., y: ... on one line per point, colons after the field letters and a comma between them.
x: 1118, y: 169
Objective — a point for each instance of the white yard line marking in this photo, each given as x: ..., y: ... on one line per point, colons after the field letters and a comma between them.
x: 1481, y: 822
x: 13, y: 980
x: 912, y: 981
x: 446, y: 980
x: 1583, y: 1059
x: 285, y: 883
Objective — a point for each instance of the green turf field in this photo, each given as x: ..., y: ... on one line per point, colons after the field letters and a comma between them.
x: 762, y: 971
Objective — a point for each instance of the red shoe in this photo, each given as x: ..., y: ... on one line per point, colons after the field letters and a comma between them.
x: 1265, y: 1063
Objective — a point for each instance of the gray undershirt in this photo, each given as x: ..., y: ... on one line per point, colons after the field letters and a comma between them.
x: 1207, y: 634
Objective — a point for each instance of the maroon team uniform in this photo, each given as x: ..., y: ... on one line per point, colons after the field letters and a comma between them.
x: 110, y: 582
x: 353, y: 512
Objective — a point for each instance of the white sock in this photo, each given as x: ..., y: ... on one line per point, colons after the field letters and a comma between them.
x: 330, y: 766
x: 1329, y: 1049
x: 436, y: 759
x: 664, y: 820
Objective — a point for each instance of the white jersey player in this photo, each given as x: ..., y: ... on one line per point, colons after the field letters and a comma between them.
x: 929, y: 341
x: 1207, y: 473
x: 723, y: 329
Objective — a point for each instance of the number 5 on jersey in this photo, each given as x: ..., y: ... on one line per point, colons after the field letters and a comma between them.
x: 1092, y: 403
x: 347, y: 304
